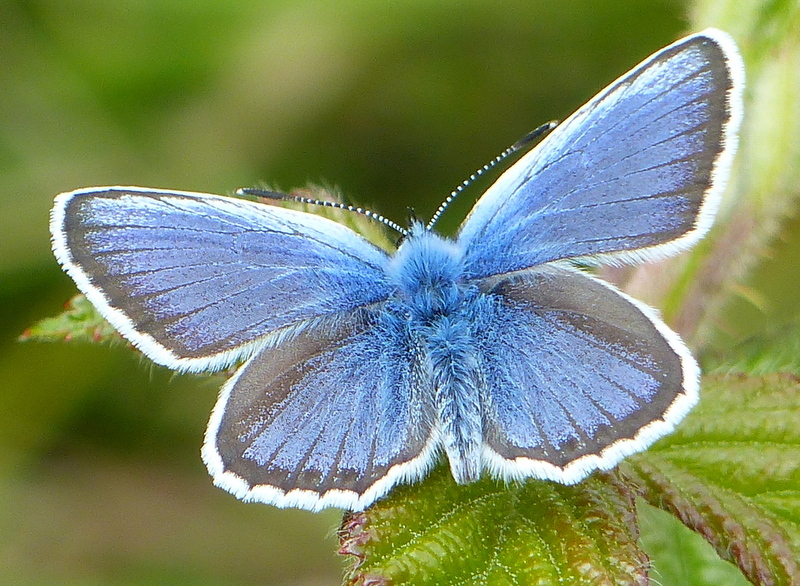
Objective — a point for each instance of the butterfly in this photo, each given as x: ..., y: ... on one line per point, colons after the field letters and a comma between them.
x: 359, y: 368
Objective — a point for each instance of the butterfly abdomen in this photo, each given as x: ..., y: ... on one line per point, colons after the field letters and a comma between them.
x: 455, y: 382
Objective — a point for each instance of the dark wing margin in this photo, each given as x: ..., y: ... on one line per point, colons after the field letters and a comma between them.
x: 200, y: 281
x: 635, y: 174
x: 578, y: 375
x: 333, y: 418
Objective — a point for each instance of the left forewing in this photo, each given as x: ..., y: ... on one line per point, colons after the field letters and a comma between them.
x: 199, y: 281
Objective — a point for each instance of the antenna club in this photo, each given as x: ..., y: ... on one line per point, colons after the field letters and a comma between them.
x: 276, y: 195
x: 520, y: 144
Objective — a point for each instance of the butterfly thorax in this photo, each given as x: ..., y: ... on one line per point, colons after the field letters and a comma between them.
x: 427, y: 272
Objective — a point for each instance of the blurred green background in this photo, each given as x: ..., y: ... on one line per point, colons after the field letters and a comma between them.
x: 392, y: 102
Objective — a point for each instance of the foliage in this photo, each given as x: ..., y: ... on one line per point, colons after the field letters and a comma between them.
x: 80, y: 322
x: 729, y: 473
x: 491, y: 533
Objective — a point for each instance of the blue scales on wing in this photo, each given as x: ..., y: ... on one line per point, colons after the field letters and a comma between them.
x: 633, y: 175
x: 334, y: 417
x: 576, y: 374
x: 199, y: 281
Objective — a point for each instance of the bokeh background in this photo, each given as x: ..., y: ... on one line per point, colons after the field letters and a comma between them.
x: 393, y: 103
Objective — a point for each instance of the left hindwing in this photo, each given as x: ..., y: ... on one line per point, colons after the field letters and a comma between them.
x: 577, y: 375
x: 333, y: 417
x: 634, y: 174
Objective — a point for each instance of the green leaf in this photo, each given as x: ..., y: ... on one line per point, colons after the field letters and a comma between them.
x: 80, y: 321
x: 489, y: 532
x: 731, y: 472
x: 679, y: 556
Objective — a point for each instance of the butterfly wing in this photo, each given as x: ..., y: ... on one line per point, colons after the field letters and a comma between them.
x: 199, y: 281
x: 577, y: 375
x: 634, y: 174
x: 335, y: 417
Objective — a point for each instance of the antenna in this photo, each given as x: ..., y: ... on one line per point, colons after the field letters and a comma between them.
x: 520, y: 144
x: 276, y: 195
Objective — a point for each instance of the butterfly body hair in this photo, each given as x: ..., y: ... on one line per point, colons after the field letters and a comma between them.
x: 431, y: 291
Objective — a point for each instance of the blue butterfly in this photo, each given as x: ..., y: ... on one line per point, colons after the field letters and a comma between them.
x: 361, y: 368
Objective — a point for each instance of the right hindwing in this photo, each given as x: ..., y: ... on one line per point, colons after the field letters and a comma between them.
x: 577, y: 375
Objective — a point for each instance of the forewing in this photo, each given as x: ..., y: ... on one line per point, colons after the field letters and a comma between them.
x: 577, y: 375
x: 634, y: 174
x: 334, y: 417
x: 198, y: 281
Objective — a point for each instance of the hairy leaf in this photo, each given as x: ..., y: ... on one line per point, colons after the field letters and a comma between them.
x: 731, y: 472
x: 678, y: 555
x: 80, y: 321
x: 488, y: 532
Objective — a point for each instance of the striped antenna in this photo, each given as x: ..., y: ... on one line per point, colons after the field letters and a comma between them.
x: 276, y: 195
x: 520, y: 144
